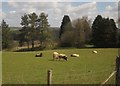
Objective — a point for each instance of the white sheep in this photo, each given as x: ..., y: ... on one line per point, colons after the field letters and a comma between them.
x: 94, y: 51
x: 75, y: 55
x: 55, y: 55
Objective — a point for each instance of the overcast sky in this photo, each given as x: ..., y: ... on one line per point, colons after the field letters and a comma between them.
x: 12, y: 11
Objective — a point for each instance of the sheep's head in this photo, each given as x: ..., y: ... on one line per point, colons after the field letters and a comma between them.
x: 65, y: 57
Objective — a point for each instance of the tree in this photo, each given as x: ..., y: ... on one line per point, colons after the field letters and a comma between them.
x: 67, y: 39
x: 24, y: 35
x: 118, y: 32
x: 65, y: 29
x: 0, y: 38
x: 32, y: 27
x: 35, y: 28
x: 6, y: 36
x: 104, y: 32
x: 65, y: 25
x: 43, y: 29
x: 81, y: 32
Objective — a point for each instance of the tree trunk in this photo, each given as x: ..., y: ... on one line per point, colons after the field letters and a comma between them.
x: 32, y: 44
x: 28, y: 44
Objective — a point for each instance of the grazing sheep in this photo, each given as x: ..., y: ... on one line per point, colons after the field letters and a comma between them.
x: 94, y: 51
x: 38, y: 55
x: 63, y: 56
x: 74, y: 55
x: 55, y: 55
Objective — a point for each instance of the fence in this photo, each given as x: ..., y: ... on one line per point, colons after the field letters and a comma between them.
x: 75, y: 78
x: 49, y: 77
x: 118, y: 71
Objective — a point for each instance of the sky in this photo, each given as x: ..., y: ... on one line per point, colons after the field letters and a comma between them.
x: 12, y: 10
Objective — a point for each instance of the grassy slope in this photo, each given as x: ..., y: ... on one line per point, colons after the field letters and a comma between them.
x: 89, y: 68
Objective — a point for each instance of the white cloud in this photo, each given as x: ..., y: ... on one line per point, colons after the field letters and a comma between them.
x: 56, y: 11
x: 13, y: 3
x: 2, y: 14
x: 12, y: 12
x: 111, y: 11
x: 84, y: 8
x: 62, y: 0
x: 30, y: 10
x: 109, y: 8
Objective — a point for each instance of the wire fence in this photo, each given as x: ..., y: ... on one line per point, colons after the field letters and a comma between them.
x: 89, y: 77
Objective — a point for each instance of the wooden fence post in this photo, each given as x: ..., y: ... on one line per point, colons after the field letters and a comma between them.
x: 118, y: 71
x: 49, y: 77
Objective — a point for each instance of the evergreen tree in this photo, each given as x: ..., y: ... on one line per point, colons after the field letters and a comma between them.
x: 66, y: 32
x: 24, y: 35
x: 7, y: 39
x: 66, y: 25
x: 96, y: 30
x: 104, y: 32
x: 32, y: 27
x: 43, y: 29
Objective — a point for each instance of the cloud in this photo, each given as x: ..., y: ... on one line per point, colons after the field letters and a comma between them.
x: 12, y: 3
x: 84, y: 7
x: 61, y: 0
x: 56, y: 11
x: 12, y: 12
x: 111, y: 11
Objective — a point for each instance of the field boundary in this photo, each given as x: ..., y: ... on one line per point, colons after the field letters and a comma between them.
x: 108, y: 78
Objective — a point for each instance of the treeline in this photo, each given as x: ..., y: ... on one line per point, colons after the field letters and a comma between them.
x: 37, y: 33
x: 35, y: 28
x: 102, y: 33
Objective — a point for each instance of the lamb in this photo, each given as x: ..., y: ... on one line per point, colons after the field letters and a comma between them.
x: 74, y: 55
x: 94, y: 51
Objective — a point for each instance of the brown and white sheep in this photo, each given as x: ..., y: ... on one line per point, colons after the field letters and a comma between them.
x: 63, y: 56
x: 56, y: 55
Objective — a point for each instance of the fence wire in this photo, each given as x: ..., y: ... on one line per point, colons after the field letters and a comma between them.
x: 90, y: 77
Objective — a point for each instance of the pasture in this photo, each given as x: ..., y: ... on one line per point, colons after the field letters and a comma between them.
x: 89, y: 68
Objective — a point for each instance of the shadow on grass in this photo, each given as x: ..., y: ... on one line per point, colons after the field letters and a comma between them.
x: 56, y: 60
x: 30, y: 49
x: 59, y: 48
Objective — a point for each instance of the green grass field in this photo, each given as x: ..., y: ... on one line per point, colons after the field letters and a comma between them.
x: 89, y: 68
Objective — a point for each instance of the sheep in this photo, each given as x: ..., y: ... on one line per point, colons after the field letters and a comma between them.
x: 74, y: 55
x: 55, y: 55
x: 94, y: 51
x: 39, y: 55
x: 63, y: 56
